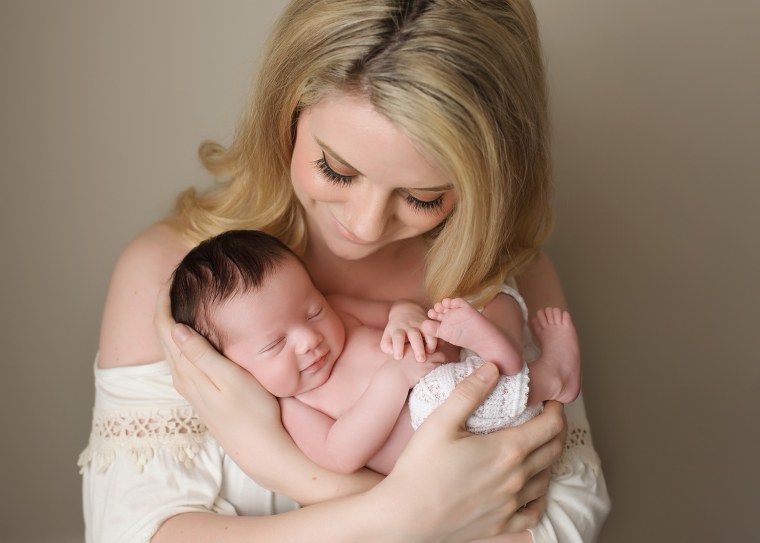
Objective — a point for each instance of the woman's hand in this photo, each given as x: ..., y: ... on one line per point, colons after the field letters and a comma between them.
x: 217, y: 388
x: 460, y: 487
x: 244, y: 418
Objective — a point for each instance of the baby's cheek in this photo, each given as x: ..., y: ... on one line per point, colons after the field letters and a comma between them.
x: 247, y: 366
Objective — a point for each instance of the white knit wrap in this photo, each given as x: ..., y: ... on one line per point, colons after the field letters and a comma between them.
x: 506, y: 406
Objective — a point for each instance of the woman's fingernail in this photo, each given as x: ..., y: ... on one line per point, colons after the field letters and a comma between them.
x: 180, y: 333
x: 486, y: 372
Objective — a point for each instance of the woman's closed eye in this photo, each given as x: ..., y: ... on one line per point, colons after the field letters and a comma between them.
x: 425, y: 206
x: 331, y: 175
x: 417, y: 204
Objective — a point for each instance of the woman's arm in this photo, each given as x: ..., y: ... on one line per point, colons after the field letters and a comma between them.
x: 127, y: 334
x: 423, y: 499
x: 540, y: 286
x: 577, y: 502
x: 409, y: 505
x: 128, y: 338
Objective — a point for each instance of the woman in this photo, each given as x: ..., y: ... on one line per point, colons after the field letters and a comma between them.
x: 400, y: 149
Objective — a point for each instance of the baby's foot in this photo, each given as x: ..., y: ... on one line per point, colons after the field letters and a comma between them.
x: 557, y: 374
x: 457, y: 322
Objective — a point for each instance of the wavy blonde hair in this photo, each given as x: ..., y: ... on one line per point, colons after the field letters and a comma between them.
x: 463, y: 79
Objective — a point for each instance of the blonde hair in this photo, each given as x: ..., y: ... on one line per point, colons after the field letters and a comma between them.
x: 464, y: 79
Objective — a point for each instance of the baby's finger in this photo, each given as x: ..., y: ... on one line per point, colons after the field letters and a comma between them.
x: 431, y: 343
x: 386, y: 343
x: 417, y: 344
x: 399, y: 341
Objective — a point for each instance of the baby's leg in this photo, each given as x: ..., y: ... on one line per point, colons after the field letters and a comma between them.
x: 456, y: 321
x: 557, y: 374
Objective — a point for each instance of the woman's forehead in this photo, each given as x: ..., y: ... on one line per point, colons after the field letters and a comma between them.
x: 348, y: 129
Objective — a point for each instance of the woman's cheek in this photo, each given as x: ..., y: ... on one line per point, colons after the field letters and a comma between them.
x: 308, y: 184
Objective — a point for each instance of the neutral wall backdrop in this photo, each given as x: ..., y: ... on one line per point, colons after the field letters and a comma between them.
x: 656, y: 129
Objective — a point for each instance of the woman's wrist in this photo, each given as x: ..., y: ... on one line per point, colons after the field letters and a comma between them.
x: 395, y: 513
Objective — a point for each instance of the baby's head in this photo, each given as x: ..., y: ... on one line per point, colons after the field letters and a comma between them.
x: 253, y: 299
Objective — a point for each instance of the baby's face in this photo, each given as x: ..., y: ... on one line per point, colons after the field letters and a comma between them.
x: 285, y: 333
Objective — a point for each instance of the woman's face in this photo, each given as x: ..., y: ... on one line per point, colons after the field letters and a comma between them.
x: 362, y: 182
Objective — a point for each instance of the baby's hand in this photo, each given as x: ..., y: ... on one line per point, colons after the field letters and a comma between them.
x: 404, y: 320
x: 414, y: 370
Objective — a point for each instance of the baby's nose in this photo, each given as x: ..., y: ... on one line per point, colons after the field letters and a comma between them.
x: 309, y: 340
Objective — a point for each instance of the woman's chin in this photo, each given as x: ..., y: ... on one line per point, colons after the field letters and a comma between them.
x: 348, y: 250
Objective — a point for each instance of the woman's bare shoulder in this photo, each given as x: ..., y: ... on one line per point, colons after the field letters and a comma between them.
x: 127, y: 336
x: 540, y: 285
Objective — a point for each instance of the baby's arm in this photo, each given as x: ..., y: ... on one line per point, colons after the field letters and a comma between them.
x: 348, y: 443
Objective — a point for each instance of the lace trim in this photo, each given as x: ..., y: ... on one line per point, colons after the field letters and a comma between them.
x: 578, y: 448
x: 140, y: 434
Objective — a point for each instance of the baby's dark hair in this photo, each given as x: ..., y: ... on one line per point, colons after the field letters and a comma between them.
x: 219, y: 268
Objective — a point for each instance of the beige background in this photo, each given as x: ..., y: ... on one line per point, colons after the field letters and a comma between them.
x: 657, y: 126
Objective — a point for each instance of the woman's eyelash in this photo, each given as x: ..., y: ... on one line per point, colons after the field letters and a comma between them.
x: 331, y: 175
x: 425, y: 206
x: 422, y: 206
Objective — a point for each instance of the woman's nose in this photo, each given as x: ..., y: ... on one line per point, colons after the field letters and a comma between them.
x: 369, y: 215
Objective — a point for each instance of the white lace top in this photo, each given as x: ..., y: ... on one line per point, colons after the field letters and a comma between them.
x: 150, y: 458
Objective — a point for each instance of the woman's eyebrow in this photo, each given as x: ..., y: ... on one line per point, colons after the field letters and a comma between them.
x: 336, y: 156
x: 441, y: 188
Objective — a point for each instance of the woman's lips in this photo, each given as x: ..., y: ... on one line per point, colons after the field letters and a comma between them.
x: 346, y: 233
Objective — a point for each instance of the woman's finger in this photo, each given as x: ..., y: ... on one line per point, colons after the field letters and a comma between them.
x: 186, y: 368
x: 163, y: 322
x: 544, y: 455
x: 206, y: 360
x: 527, y: 517
x: 538, y: 440
x: 466, y: 397
x: 536, y: 488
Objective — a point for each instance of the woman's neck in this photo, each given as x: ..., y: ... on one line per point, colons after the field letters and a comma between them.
x: 392, y: 273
